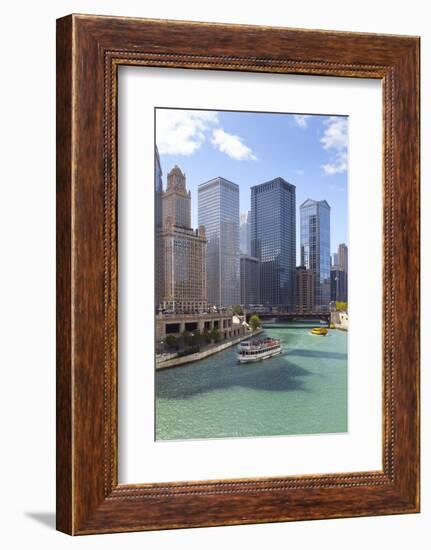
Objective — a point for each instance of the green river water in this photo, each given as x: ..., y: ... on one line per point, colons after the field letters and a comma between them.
x: 302, y: 391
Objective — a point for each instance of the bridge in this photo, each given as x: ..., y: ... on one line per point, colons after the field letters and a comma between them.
x: 293, y: 316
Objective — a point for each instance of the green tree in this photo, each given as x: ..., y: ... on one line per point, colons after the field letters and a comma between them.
x: 171, y: 341
x: 187, y: 338
x: 238, y: 310
x: 206, y: 337
x: 197, y: 338
x: 215, y: 335
x: 341, y: 306
x: 254, y: 322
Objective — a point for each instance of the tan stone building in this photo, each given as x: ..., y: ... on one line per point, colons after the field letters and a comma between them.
x: 184, y: 251
x: 177, y: 200
x: 304, y: 290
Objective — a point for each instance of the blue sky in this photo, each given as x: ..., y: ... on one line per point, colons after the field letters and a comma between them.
x: 309, y: 151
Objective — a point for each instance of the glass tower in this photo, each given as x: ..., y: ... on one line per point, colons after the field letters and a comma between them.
x: 273, y: 241
x: 245, y: 233
x: 315, y: 248
x: 250, y: 293
x: 218, y: 212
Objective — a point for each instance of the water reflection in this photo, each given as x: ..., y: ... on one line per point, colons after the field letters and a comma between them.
x: 302, y: 391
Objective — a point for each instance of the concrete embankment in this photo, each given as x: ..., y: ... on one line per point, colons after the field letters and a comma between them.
x: 179, y: 361
x: 340, y: 320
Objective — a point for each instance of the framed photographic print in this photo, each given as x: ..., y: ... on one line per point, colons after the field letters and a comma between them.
x: 237, y: 274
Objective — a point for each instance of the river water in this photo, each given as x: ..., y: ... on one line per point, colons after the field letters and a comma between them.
x: 302, y: 391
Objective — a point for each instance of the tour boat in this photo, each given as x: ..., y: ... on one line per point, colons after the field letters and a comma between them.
x: 257, y: 349
x: 319, y: 331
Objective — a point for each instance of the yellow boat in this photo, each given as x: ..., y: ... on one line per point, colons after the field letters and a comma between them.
x: 320, y: 331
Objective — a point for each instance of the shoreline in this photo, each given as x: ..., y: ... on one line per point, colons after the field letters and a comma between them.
x: 192, y: 358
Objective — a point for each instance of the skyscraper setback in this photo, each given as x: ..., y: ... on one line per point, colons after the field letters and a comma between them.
x: 273, y: 241
x: 315, y: 248
x: 218, y: 212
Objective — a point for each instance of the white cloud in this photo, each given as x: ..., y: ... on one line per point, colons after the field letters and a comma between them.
x: 299, y: 172
x: 301, y: 120
x: 335, y: 140
x: 231, y: 145
x: 182, y: 132
x: 335, y: 135
x: 338, y: 165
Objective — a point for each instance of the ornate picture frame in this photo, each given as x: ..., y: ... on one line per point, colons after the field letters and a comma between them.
x: 89, y: 51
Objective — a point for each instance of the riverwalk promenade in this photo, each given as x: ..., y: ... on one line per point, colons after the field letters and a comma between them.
x: 207, y: 352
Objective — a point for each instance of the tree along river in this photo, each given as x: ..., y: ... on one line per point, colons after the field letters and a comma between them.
x: 302, y: 391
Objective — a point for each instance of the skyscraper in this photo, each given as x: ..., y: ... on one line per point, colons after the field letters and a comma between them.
x: 343, y: 257
x: 245, y: 233
x: 304, y: 290
x: 315, y: 248
x: 273, y: 241
x: 218, y: 212
x: 334, y: 259
x: 158, y: 241
x: 338, y: 285
x: 184, y: 250
x: 250, y: 294
x: 339, y: 275
x: 176, y: 200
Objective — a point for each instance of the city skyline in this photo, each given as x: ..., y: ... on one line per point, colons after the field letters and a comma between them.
x: 245, y: 219
x: 243, y: 261
x: 270, y: 236
x: 308, y: 151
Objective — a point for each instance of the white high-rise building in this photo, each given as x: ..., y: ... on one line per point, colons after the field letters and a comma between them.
x: 218, y: 212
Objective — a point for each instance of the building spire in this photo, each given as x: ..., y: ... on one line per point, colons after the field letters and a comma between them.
x: 177, y: 180
x: 176, y: 200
